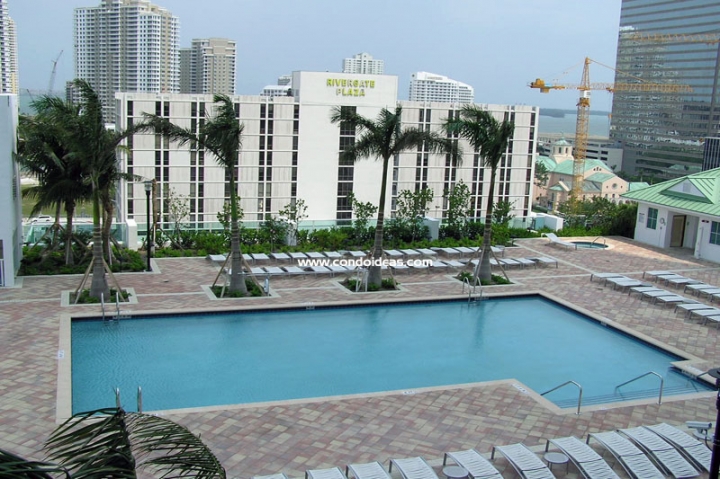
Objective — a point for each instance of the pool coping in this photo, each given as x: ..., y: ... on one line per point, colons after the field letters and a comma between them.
x: 687, y: 365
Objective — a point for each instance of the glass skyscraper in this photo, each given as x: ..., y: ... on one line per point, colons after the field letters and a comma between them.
x: 671, y: 42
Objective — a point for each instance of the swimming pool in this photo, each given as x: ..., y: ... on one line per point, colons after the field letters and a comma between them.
x: 183, y: 361
x: 589, y: 245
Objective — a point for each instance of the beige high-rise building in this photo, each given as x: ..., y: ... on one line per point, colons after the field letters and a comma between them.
x: 8, y: 52
x: 127, y: 46
x: 208, y: 66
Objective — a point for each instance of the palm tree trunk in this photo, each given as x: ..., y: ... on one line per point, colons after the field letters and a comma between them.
x: 237, y: 277
x: 70, y: 210
x: 99, y: 283
x: 108, y: 214
x: 375, y: 271
x: 485, y: 274
x: 56, y: 228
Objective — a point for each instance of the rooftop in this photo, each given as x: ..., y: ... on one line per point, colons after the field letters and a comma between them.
x: 293, y: 436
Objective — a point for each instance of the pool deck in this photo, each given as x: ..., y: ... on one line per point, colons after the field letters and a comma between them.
x: 295, y: 436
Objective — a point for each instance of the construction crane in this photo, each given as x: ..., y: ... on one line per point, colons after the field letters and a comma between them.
x: 583, y: 111
x: 51, y: 83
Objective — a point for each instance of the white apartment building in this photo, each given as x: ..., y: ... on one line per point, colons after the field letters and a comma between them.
x: 363, y: 63
x: 291, y: 150
x: 8, y: 52
x: 208, y: 66
x: 11, y: 232
x: 426, y: 86
x: 126, y: 45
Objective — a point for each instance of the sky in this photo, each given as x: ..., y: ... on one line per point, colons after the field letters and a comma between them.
x: 496, y: 46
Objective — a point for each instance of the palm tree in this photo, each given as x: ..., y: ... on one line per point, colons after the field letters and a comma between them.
x: 489, y: 138
x: 94, y: 148
x: 43, y: 152
x: 114, y: 443
x: 383, y: 139
x: 221, y: 136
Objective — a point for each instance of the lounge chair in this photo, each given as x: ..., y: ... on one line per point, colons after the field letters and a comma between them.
x: 509, y: 262
x: 711, y: 292
x: 279, y: 475
x: 316, y: 255
x: 330, y: 473
x: 453, y: 263
x: 427, y: 252
x: 694, y: 288
x: 410, y: 252
x: 656, y: 273
x: 675, y: 298
x: 274, y: 270
x: 688, y: 307
x: 298, y: 255
x: 702, y: 313
x: 642, y: 289
x: 216, y: 258
x: 333, y: 254
x: 693, y: 450
x: 498, y: 250
x: 526, y: 262
x: 280, y: 256
x: 681, y: 281
x: 393, y: 253
x: 465, y: 250
x: 623, y: 283
x: 259, y: 256
x: 447, y: 251
x: 356, y: 254
x: 477, y: 466
x: 632, y: 459
x: 545, y: 260
x: 555, y: 240
x: 413, y: 468
x: 318, y: 269
x: 606, y: 276
x: 525, y: 462
x: 664, y: 454
x: 293, y: 269
x: 655, y: 294
x: 370, y: 470
x: 588, y: 462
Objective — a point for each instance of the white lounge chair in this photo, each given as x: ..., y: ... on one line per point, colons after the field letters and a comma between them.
x: 333, y: 254
x: 526, y: 262
x: 498, y: 250
x: 274, y: 270
x: 588, y: 462
x: 465, y: 250
x: 693, y: 450
x: 356, y: 254
x: 510, y: 262
x: 413, y: 468
x: 410, y: 252
x: 293, y: 270
x: 427, y: 252
x: 330, y: 473
x: 555, y: 240
x: 525, y: 462
x: 665, y: 455
x: 656, y: 273
x: 623, y: 283
x: 676, y: 299
x: 655, y: 294
x: 393, y: 253
x: 298, y: 255
x: 316, y: 255
x: 688, y: 307
x: 216, y: 258
x: 606, y: 276
x: 642, y: 289
x: 318, y: 269
x: 477, y: 466
x: 259, y: 256
x: 453, y: 263
x: 370, y: 470
x: 681, y: 281
x: 703, y: 313
x: 694, y: 288
x: 545, y: 260
x: 280, y: 256
x: 632, y: 459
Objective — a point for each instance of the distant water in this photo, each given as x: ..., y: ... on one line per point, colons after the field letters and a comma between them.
x: 599, y: 125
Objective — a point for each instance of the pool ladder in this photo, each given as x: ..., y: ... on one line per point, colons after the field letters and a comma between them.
x: 471, y: 291
x: 662, y: 383
x: 118, y: 402
x: 580, y: 392
x: 599, y: 238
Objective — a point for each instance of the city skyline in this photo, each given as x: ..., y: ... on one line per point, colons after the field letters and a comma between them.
x: 496, y: 48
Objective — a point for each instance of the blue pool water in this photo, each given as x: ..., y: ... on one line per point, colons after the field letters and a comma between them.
x: 589, y: 244
x: 244, y: 357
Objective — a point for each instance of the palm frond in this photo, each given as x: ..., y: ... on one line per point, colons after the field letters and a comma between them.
x: 16, y: 467
x: 113, y: 443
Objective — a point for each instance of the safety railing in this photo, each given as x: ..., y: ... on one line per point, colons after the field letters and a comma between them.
x: 662, y: 383
x: 579, y: 403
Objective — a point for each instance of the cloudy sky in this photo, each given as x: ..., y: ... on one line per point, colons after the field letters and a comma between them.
x: 497, y: 46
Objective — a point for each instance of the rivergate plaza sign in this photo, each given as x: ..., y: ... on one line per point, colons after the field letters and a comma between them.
x: 344, y: 87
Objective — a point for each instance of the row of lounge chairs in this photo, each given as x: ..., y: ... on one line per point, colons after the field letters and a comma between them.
x: 647, y: 452
x: 644, y: 289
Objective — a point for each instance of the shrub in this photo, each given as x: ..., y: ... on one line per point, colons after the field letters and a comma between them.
x: 253, y: 291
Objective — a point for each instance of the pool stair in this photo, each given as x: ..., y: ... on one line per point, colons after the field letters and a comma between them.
x: 118, y: 401
x: 473, y: 295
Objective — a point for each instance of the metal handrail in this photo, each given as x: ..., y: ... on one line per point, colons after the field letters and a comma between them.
x: 662, y: 383
x: 117, y: 306
x: 117, y: 398
x: 565, y: 384
x: 102, y: 304
x: 139, y: 400
x: 471, y: 290
x: 599, y: 237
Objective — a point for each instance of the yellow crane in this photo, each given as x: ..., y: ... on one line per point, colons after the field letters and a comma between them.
x: 583, y: 110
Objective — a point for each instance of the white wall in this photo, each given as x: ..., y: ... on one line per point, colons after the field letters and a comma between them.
x: 11, y: 212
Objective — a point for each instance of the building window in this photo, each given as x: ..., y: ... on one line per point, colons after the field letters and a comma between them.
x: 652, y: 218
x: 715, y: 233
